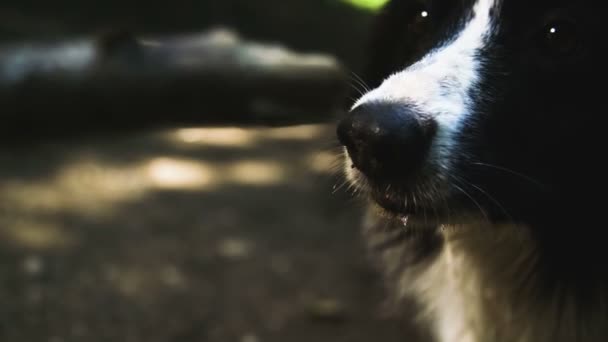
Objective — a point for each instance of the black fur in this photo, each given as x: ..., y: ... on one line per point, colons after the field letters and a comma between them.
x: 535, y: 152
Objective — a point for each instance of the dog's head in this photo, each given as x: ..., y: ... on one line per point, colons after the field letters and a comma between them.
x: 488, y: 108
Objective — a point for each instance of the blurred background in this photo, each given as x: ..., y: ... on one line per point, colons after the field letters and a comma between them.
x: 169, y: 172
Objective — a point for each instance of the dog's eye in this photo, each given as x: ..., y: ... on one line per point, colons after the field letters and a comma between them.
x: 421, y: 17
x: 561, y: 38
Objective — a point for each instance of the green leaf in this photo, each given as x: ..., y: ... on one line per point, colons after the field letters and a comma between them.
x: 367, y: 4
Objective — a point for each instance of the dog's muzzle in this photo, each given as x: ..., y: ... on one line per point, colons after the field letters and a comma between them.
x: 387, y: 142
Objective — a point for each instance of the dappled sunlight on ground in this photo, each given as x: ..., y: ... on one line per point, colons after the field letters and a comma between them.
x: 167, y: 173
x: 94, y: 186
x: 192, y: 234
x: 227, y: 137
x: 85, y: 186
x: 131, y: 282
x: 35, y: 235
x: 256, y: 172
x: 239, y: 137
x: 326, y: 162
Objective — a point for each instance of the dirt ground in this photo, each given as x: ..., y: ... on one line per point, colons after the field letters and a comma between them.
x: 185, y: 235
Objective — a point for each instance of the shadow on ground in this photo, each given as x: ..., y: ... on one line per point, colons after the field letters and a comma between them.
x: 185, y: 235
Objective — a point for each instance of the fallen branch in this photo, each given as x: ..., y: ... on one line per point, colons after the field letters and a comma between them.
x: 118, y: 82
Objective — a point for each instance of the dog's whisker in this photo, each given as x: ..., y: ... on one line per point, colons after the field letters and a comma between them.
x: 464, y: 182
x: 355, y: 87
x: 512, y: 172
x: 360, y: 81
x: 337, y: 187
x: 482, y: 211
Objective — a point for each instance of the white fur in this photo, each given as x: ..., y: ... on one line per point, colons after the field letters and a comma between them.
x: 439, y: 84
x: 468, y: 291
x: 481, y: 287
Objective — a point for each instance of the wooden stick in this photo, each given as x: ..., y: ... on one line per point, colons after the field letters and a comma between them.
x: 117, y: 82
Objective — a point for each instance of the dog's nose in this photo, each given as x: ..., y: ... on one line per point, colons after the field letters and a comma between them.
x: 386, y: 140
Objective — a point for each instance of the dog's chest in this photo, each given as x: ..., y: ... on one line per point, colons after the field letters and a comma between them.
x: 469, y: 288
x: 478, y: 286
x: 483, y: 286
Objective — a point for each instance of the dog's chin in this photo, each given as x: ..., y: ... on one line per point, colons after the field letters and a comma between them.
x: 422, y: 201
x: 392, y: 199
x: 427, y: 212
x: 417, y: 208
x: 391, y: 203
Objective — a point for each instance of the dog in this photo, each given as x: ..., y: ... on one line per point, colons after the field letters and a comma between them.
x: 479, y: 150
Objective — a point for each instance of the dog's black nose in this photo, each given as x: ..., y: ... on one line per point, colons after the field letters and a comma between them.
x: 386, y: 140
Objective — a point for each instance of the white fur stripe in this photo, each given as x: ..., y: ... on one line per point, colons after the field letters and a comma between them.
x: 440, y: 83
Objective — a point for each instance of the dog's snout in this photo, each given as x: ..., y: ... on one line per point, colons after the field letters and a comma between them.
x: 387, y: 140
